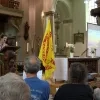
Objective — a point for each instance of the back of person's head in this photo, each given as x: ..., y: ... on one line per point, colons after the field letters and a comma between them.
x: 32, y: 65
x: 97, y: 94
x: 12, y: 87
x: 78, y: 73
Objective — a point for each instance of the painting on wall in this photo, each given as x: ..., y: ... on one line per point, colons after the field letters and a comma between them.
x: 79, y: 37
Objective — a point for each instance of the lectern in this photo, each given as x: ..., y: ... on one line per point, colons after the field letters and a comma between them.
x: 12, y: 48
x: 9, y: 53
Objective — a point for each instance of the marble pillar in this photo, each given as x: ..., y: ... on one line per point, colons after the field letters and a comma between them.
x: 47, y: 8
x: 50, y: 14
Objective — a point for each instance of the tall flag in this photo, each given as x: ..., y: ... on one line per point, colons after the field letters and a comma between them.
x: 46, y: 54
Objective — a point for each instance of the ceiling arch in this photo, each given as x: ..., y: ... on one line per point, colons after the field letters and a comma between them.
x: 62, y: 10
x: 64, y: 6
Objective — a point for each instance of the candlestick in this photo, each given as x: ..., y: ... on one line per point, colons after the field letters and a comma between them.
x: 16, y: 43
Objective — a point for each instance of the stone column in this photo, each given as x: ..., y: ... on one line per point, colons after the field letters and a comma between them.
x: 50, y: 14
x: 32, y: 13
x: 24, y: 6
x: 36, y: 27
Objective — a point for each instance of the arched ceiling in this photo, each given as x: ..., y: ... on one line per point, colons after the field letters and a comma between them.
x: 62, y: 10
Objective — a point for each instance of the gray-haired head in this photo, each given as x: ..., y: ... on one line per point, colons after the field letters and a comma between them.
x: 78, y: 73
x: 97, y: 94
x: 32, y: 65
x: 12, y: 87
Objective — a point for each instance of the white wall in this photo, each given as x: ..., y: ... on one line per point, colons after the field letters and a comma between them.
x: 76, y: 10
x: 79, y: 24
x: 64, y: 9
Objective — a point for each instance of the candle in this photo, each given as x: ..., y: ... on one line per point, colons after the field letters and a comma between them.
x: 16, y: 43
x: 27, y: 47
x: 67, y: 45
x: 42, y: 14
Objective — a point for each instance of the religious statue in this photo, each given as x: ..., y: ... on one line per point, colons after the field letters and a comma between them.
x: 26, y: 30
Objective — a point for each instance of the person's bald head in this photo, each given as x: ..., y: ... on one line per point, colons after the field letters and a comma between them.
x: 32, y: 65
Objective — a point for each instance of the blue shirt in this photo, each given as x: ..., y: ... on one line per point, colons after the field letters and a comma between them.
x: 40, y: 89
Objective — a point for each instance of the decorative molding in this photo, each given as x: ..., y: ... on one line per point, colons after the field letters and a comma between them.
x: 67, y: 21
x: 49, y: 13
x: 11, y: 11
x: 15, y: 22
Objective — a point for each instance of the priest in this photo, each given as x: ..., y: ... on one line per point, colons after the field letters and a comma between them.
x: 3, y: 41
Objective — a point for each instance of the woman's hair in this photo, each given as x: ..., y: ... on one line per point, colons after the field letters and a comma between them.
x: 78, y: 73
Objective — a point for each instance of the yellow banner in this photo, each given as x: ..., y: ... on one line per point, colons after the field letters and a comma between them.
x: 46, y: 54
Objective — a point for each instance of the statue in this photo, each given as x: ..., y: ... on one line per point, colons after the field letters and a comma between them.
x: 26, y: 29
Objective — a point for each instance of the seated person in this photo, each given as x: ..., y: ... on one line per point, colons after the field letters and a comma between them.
x: 39, y: 73
x: 40, y: 89
x: 12, y: 87
x: 77, y: 88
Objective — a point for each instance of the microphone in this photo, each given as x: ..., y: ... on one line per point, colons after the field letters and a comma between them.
x: 84, y: 51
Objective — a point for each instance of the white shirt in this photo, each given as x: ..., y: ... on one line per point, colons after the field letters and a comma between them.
x: 39, y: 74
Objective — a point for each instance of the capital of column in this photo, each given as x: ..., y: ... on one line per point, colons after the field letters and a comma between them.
x: 49, y: 13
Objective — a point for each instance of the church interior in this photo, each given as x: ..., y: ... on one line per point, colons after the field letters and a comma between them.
x: 75, y: 28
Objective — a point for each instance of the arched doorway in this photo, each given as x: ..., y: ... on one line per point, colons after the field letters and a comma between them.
x: 63, y: 26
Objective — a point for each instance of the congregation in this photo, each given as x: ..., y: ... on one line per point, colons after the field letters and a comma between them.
x: 13, y: 87
x: 49, y: 49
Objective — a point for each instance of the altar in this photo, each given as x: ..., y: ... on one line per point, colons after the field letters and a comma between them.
x: 62, y: 65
